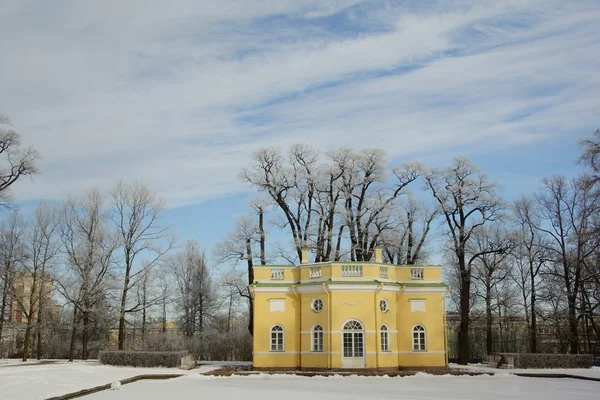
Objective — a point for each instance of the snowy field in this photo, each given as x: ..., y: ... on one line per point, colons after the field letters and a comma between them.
x: 593, y: 372
x: 421, y: 386
x: 40, y: 381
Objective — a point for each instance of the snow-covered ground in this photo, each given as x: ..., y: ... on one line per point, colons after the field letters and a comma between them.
x: 40, y: 381
x: 593, y: 372
x: 421, y: 386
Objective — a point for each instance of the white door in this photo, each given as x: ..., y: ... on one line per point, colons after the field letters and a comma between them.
x: 353, y: 345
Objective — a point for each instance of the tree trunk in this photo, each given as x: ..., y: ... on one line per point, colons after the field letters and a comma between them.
x: 30, y: 318
x: 533, y: 333
x: 144, y: 312
x: 86, y: 333
x: 409, y: 250
x: 26, y: 341
x: 5, y: 290
x: 488, y: 317
x: 250, y: 281
x: 338, y: 246
x: 261, y: 229
x: 40, y: 318
x: 573, y: 333
x: 73, y: 336
x: 124, y: 301
x: 164, y: 312
x: 464, y: 350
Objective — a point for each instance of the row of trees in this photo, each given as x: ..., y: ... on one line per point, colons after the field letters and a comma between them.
x: 115, y: 265
x: 78, y: 270
x: 541, y: 248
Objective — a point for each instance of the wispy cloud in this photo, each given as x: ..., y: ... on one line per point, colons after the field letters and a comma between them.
x: 180, y: 95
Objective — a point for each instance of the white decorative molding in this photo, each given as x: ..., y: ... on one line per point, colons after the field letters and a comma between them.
x: 315, y: 272
x: 417, y: 305
x: 361, y: 302
x: 440, y: 290
x: 273, y: 289
x: 340, y: 353
x: 422, y: 352
x: 310, y: 289
x: 277, y: 305
x: 277, y: 274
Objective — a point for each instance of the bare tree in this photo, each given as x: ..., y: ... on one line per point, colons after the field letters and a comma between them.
x: 13, y: 255
x: 367, y: 200
x: 567, y: 213
x: 490, y: 269
x: 591, y: 153
x: 467, y: 200
x: 291, y: 187
x: 530, y: 256
x: 89, y: 248
x: 238, y: 245
x: 16, y: 161
x: 136, y: 215
x: 196, y: 292
x: 43, y: 249
x: 405, y: 244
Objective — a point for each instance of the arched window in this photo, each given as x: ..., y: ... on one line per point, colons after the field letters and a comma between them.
x: 352, y: 325
x: 419, y: 339
x: 277, y: 338
x: 317, y: 338
x: 385, y: 338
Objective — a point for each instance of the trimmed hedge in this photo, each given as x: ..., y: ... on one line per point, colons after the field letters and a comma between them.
x: 169, y: 359
x: 547, y: 360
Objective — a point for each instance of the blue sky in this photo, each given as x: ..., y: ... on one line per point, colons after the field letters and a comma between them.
x: 179, y: 95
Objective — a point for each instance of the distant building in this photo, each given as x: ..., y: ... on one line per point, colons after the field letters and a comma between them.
x: 352, y: 315
x: 21, y: 297
x: 18, y: 308
x: 133, y: 332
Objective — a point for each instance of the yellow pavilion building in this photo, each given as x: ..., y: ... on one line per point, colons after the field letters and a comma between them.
x: 349, y: 315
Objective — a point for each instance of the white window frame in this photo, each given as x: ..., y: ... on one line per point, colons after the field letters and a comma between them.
x: 382, y: 303
x: 276, y: 333
x: 317, y: 339
x: 385, y: 338
x: 313, y: 303
x: 419, y: 338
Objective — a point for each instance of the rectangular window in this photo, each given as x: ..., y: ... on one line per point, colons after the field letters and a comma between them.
x: 416, y: 274
x: 277, y: 339
x: 352, y: 270
x: 317, y: 340
x: 348, y: 345
x: 419, y: 343
x: 277, y: 274
x: 385, y: 343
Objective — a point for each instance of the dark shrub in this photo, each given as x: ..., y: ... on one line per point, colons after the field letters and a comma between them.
x: 548, y: 360
x: 170, y: 359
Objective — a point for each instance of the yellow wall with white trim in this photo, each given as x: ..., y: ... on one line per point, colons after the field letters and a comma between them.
x: 358, y: 299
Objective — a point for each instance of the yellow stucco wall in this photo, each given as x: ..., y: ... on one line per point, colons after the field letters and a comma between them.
x: 344, y: 299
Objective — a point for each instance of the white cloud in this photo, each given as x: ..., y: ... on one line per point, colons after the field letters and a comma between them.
x: 180, y: 95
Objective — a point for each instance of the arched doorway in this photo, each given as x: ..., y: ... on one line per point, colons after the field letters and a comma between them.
x: 353, y: 345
